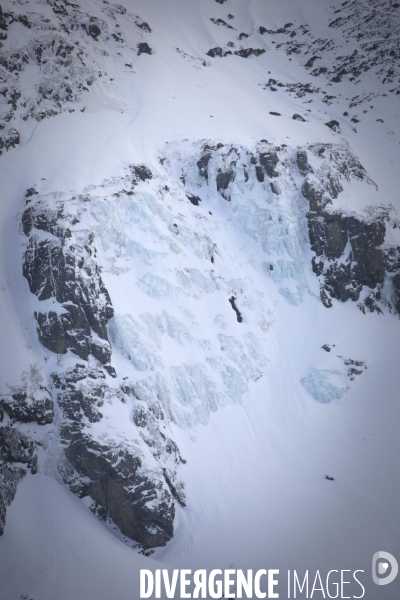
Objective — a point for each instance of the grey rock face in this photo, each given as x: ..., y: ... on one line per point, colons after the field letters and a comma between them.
x: 246, y: 52
x: 143, y: 509
x: 221, y: 22
x: 224, y: 179
x: 372, y: 28
x: 30, y: 401
x: 349, y: 250
x: 9, y: 480
x: 269, y: 160
x: 14, y: 448
x: 51, y: 332
x: 350, y: 257
x: 65, y: 269
x: 84, y: 400
x: 334, y: 125
x: 265, y: 165
x: 396, y: 286
x: 140, y: 172
x: 218, y: 51
x: 60, y: 265
x: 139, y: 500
x: 193, y: 199
x: 9, y: 138
x: 144, y: 48
x: 26, y: 410
x: 302, y: 162
x: 202, y: 163
x: 232, y: 302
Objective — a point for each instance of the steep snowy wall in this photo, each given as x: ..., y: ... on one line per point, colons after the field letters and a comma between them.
x: 159, y: 278
x: 200, y: 250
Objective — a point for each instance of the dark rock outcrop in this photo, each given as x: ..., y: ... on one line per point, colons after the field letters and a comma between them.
x: 9, y: 480
x: 302, y: 163
x: 260, y: 174
x: 334, y: 125
x: 246, y: 52
x: 269, y: 160
x: 232, y: 302
x: 30, y: 401
x: 62, y: 48
x: 221, y: 22
x: 144, y: 48
x: 349, y: 249
x: 15, y: 447
x: 243, y: 52
x: 142, y: 508
x: 217, y: 51
x: 140, y: 173
x: 224, y: 178
x: 79, y: 401
x: 137, y: 499
x: 330, y: 233
x: 396, y: 289
x: 26, y: 410
x: 64, y: 269
x: 193, y: 199
x: 202, y: 163
x: 9, y: 138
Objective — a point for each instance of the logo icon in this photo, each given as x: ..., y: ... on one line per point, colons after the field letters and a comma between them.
x: 384, y: 568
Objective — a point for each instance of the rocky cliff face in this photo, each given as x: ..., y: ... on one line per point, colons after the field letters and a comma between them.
x: 282, y: 198
x: 138, y: 499
x: 61, y: 265
x: 15, y: 448
x: 29, y: 402
x: 350, y: 250
x: 135, y: 484
x: 62, y: 270
x: 351, y: 259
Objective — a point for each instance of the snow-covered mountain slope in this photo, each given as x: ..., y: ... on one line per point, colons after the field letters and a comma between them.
x: 199, y: 289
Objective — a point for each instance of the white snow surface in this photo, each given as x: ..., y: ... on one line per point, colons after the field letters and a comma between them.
x: 260, y: 412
